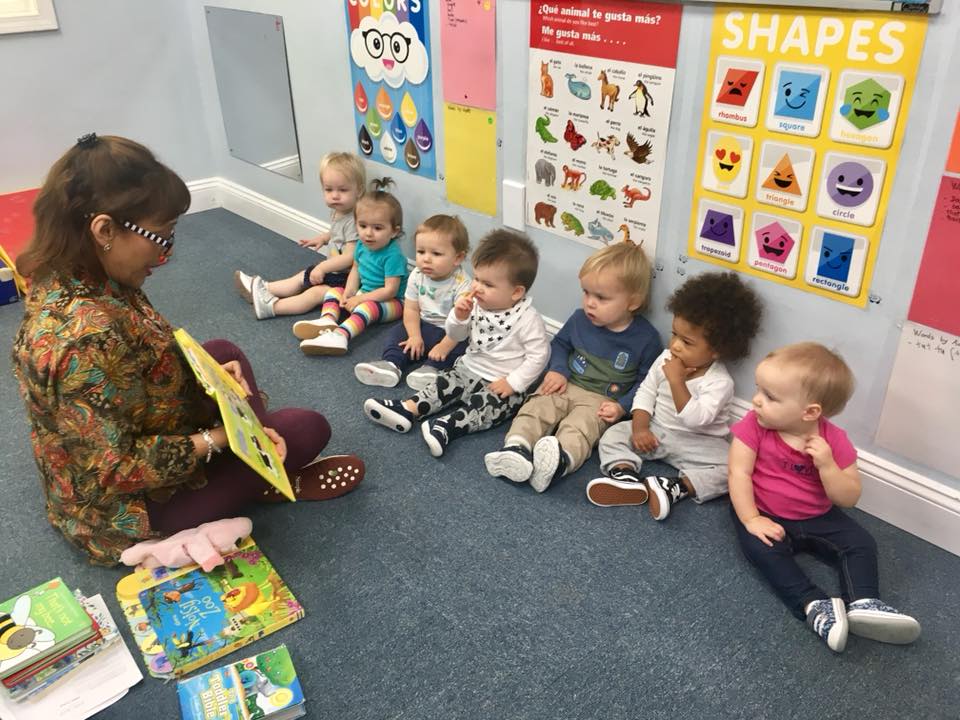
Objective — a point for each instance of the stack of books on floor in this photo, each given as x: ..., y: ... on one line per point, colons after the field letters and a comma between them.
x: 49, y: 639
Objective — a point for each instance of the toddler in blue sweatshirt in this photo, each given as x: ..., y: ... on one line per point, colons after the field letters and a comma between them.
x: 597, y: 362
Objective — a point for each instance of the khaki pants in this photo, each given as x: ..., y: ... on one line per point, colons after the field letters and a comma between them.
x: 571, y: 415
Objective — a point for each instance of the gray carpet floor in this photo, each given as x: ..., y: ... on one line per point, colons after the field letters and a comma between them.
x: 435, y: 591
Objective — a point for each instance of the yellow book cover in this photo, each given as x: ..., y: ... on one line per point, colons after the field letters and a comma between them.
x: 247, y: 439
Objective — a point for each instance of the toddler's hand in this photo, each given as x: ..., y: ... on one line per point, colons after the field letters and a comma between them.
x: 315, y: 243
x: 501, y: 387
x: 413, y: 346
x: 279, y: 442
x: 817, y: 448
x: 438, y: 353
x: 766, y: 529
x: 464, y: 305
x: 644, y: 440
x: 350, y: 303
x: 553, y: 382
x: 317, y: 275
x: 676, y: 371
x: 610, y: 411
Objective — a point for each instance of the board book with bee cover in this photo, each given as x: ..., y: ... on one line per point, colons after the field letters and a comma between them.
x: 39, y: 624
x: 261, y: 687
x: 245, y: 434
x: 185, y: 618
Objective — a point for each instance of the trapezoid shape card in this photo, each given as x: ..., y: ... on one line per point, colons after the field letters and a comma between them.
x: 798, y: 94
x: 719, y: 230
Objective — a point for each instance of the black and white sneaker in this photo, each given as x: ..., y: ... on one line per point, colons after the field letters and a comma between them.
x: 828, y: 619
x: 389, y: 413
x: 549, y: 462
x: 436, y: 435
x: 664, y: 492
x: 623, y: 487
x: 513, y: 462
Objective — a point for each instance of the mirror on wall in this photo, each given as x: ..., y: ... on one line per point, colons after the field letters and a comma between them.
x: 253, y: 82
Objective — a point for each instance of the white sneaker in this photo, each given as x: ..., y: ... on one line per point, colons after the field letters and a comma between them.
x: 308, y: 329
x: 331, y: 343
x: 244, y: 285
x: 379, y: 372
x: 874, y: 619
x: 422, y: 377
x: 263, y: 299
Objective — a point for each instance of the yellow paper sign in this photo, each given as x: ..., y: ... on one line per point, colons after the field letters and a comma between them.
x: 804, y: 115
x: 245, y: 434
x: 471, y: 157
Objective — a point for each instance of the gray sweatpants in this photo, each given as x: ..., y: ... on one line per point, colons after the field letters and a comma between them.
x: 702, y: 459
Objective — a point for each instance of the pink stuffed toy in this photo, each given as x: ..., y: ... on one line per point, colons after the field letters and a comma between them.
x: 202, y: 545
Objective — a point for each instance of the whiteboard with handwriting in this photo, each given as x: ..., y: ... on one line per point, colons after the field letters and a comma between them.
x: 921, y: 413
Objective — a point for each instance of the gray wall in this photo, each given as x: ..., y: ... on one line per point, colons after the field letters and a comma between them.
x: 124, y: 67
x: 316, y: 42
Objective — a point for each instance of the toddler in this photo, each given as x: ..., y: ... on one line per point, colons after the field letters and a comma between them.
x: 376, y: 282
x: 789, y: 469
x: 507, y: 350
x: 441, y: 245
x: 597, y: 361
x: 343, y: 178
x: 680, y: 412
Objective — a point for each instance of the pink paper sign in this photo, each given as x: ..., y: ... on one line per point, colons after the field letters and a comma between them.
x: 936, y: 297
x: 468, y: 48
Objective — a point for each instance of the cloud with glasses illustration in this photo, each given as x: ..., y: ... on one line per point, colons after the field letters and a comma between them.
x: 389, y: 50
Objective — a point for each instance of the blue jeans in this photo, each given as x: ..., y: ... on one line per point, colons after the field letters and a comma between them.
x: 432, y: 334
x: 833, y: 537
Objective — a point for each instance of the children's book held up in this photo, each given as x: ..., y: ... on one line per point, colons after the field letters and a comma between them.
x: 264, y: 686
x: 247, y: 439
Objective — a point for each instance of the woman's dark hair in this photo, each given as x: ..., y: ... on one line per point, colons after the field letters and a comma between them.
x: 99, y: 175
x: 722, y: 305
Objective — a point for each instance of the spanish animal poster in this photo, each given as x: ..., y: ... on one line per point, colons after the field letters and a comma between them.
x: 392, y: 86
x: 601, y: 85
x: 804, y: 115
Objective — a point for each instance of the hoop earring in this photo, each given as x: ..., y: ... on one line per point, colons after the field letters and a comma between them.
x: 106, y: 247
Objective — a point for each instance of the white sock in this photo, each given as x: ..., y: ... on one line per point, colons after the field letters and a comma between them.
x: 516, y: 440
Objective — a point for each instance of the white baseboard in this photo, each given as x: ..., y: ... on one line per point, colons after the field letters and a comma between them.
x: 282, y: 219
x: 901, y: 497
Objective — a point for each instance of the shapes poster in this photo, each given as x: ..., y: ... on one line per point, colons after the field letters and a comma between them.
x: 804, y: 114
x: 392, y: 85
x: 601, y: 85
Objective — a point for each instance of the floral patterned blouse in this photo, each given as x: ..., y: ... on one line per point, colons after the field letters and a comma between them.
x: 111, y: 404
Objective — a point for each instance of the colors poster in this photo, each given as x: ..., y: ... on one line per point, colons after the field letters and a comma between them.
x: 390, y: 67
x: 804, y: 115
x: 600, y: 87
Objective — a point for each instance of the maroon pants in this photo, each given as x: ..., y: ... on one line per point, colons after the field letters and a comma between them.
x: 231, y: 484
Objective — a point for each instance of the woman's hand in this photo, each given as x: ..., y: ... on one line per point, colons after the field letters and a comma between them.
x: 233, y: 370
x: 279, y: 442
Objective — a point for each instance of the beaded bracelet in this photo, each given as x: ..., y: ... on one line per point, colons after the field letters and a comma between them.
x: 211, y: 445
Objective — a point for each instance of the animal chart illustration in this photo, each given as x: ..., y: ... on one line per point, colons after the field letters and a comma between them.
x: 392, y: 86
x: 600, y: 87
x: 800, y: 139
